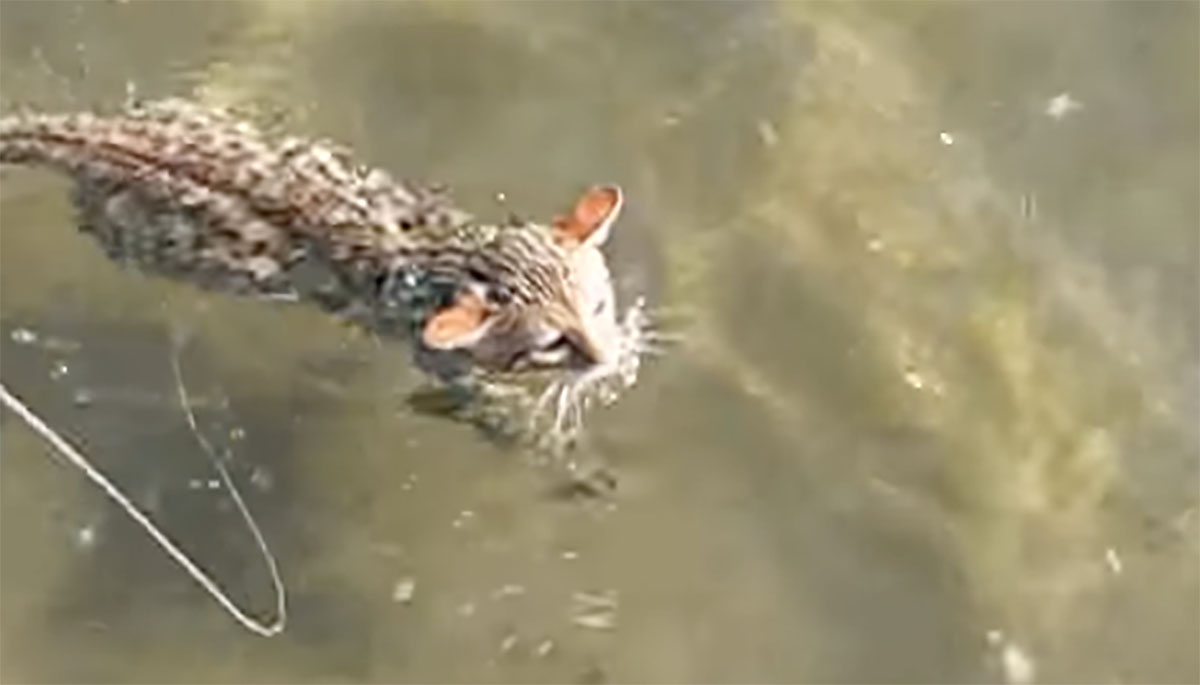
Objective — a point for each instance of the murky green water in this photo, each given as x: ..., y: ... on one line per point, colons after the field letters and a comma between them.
x: 934, y: 418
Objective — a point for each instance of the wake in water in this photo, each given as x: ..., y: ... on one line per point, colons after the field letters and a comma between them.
x: 556, y: 418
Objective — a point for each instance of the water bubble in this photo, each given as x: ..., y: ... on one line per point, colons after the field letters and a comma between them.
x: 23, y: 336
x: 82, y: 397
x: 261, y: 478
x: 85, y: 537
x: 59, y: 370
x: 1018, y: 667
x: 913, y: 378
x: 404, y: 590
x: 1113, y: 561
x: 767, y: 133
x: 595, y: 610
x: 1061, y: 105
x: 509, y: 590
x: 463, y: 519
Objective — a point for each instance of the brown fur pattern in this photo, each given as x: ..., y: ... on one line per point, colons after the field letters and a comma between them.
x: 199, y: 195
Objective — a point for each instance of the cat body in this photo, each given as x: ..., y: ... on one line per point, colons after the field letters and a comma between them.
x: 198, y: 195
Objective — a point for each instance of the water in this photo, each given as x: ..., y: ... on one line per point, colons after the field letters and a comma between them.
x: 934, y: 418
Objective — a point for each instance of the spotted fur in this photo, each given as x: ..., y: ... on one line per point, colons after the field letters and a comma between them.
x: 197, y: 194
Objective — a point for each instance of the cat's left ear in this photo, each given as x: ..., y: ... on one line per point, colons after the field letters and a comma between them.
x: 461, y: 324
x: 590, y: 221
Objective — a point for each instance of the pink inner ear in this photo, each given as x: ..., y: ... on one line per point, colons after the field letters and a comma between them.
x: 589, y: 214
x: 458, y: 325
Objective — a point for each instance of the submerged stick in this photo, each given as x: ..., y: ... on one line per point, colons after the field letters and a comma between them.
x: 202, y: 578
x: 259, y: 540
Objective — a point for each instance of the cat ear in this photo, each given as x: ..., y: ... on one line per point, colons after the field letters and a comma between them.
x: 590, y: 221
x: 461, y: 324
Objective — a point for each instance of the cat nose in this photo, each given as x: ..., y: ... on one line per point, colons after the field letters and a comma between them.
x: 592, y: 347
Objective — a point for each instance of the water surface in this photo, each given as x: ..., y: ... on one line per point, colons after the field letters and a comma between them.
x: 933, y: 419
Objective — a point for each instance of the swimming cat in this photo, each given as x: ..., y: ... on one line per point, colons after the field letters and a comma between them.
x: 197, y: 194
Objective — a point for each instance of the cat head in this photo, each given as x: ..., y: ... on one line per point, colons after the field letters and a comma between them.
x: 571, y: 324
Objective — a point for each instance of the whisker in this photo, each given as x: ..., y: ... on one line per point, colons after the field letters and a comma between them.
x: 563, y: 405
x: 652, y: 351
x: 543, y: 402
x: 677, y: 315
x: 564, y: 397
x: 659, y: 336
x: 582, y: 404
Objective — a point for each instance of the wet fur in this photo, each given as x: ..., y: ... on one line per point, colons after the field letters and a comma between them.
x: 195, y: 194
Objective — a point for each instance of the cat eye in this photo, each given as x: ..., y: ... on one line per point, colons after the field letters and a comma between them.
x: 559, y: 343
x: 554, y: 354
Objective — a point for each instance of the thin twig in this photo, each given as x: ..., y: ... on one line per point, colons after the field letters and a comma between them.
x: 272, y: 566
x: 202, y: 578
